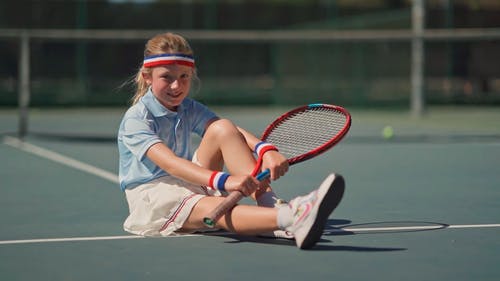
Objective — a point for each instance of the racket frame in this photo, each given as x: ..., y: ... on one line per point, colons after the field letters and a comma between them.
x: 320, y: 149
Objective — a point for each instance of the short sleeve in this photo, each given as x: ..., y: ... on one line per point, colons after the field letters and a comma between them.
x: 138, y: 136
x: 203, y: 116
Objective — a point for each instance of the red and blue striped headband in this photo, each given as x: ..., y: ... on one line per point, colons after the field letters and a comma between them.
x: 164, y: 59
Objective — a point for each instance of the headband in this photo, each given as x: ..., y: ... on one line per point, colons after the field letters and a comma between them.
x: 163, y: 59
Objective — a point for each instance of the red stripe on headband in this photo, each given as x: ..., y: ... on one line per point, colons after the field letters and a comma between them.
x: 165, y: 59
x: 166, y: 62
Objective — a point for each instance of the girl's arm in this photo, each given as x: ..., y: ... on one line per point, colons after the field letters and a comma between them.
x: 181, y: 168
x: 252, y: 140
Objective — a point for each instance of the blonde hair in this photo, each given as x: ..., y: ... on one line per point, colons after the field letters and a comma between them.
x: 165, y: 43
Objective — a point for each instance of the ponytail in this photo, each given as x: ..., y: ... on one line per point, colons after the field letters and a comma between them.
x: 141, y: 85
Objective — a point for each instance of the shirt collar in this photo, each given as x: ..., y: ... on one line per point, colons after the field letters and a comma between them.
x: 155, y: 107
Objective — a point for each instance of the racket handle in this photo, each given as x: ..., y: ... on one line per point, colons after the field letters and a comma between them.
x: 232, y: 199
x: 263, y: 175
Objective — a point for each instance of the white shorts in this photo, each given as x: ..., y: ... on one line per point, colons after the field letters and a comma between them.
x: 160, y: 207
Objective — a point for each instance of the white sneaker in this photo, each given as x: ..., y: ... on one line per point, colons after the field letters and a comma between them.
x: 311, y: 212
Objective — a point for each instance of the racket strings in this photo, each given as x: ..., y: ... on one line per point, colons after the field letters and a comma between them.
x: 307, y: 130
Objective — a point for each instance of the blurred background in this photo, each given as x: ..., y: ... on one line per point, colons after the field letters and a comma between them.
x: 255, y: 52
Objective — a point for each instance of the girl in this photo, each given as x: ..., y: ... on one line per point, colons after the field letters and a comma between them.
x: 169, y: 189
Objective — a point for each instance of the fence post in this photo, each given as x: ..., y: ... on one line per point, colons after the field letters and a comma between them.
x: 24, y: 83
x: 417, y: 101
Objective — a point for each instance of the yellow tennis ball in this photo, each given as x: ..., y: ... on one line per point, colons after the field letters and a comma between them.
x: 387, y: 132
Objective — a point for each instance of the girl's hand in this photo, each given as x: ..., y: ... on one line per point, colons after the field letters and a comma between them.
x: 276, y: 163
x: 244, y: 184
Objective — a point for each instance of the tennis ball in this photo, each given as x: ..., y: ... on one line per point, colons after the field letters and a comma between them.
x: 387, y: 132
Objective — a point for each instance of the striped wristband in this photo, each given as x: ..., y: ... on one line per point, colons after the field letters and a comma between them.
x: 218, y: 180
x: 263, y: 147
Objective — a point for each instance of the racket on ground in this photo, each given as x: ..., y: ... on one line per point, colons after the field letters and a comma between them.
x: 299, y: 135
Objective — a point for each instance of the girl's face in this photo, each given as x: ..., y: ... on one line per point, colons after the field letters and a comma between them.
x: 170, y: 84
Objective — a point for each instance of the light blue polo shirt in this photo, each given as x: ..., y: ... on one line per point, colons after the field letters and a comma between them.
x: 149, y: 122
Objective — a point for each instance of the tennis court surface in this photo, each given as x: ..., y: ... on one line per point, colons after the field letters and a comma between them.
x: 420, y: 205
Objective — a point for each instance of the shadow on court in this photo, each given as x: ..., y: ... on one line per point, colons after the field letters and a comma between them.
x: 343, y: 227
x: 236, y: 239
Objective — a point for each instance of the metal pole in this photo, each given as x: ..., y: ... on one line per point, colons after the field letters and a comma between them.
x: 81, y: 54
x: 24, y: 83
x: 417, y: 103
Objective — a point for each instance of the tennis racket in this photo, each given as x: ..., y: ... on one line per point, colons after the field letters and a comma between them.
x: 300, y: 134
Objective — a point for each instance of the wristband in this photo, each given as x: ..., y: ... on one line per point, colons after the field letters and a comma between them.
x: 263, y: 147
x: 218, y: 180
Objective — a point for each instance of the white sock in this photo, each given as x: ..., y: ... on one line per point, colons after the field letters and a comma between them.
x: 267, y: 199
x: 285, y: 217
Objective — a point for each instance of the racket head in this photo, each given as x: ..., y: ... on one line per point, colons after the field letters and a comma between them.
x: 308, y: 131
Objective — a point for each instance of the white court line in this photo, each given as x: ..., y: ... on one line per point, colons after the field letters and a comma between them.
x: 473, y: 225
x: 73, y: 239
x: 410, y: 228
x: 59, y: 158
x: 350, y: 229
x: 394, y: 228
x: 76, y: 239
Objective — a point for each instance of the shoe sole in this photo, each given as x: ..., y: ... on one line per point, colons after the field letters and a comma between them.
x: 330, y: 196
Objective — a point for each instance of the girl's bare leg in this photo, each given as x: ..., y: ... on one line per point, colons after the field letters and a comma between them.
x: 224, y: 144
x: 242, y: 219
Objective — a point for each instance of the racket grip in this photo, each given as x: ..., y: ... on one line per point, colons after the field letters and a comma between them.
x: 232, y: 199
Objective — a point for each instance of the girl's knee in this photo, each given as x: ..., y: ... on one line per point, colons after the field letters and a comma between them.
x: 223, y: 128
